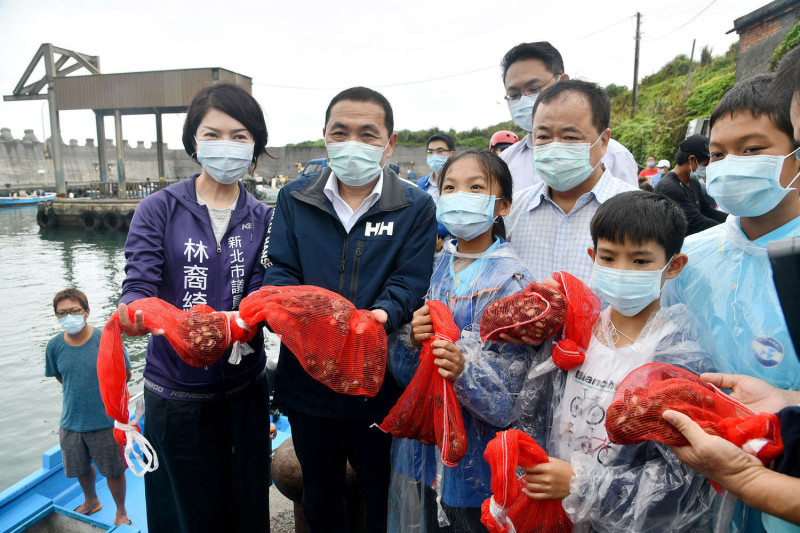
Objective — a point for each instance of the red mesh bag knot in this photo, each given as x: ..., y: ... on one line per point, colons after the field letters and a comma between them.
x: 641, y: 398
x: 342, y: 347
x: 537, y: 312
x: 583, y: 308
x: 509, y: 509
x: 428, y: 410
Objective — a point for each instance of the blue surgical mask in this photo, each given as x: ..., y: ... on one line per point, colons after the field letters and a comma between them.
x: 748, y: 186
x: 355, y: 163
x: 522, y: 111
x: 627, y: 291
x: 436, y: 162
x: 73, y: 324
x: 563, y: 166
x: 700, y: 173
x: 225, y: 161
x: 466, y: 214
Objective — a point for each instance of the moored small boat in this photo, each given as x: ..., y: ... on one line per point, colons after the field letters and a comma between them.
x: 8, y: 201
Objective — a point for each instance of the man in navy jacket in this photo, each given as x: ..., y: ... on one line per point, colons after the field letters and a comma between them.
x: 360, y: 231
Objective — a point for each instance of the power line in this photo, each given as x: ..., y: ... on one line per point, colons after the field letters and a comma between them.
x: 694, y: 17
x: 604, y: 29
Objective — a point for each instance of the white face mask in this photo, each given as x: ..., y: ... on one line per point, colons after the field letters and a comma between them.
x: 225, y: 161
x: 628, y: 291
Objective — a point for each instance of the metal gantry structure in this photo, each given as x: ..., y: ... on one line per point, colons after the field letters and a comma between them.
x: 131, y: 93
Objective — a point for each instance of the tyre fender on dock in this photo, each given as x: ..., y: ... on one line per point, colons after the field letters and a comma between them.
x: 46, y: 217
x: 91, y: 220
x: 113, y: 220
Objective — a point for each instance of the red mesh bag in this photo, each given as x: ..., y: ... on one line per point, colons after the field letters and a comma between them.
x: 428, y: 410
x: 509, y: 508
x: 199, y: 336
x: 537, y: 312
x: 635, y: 412
x: 340, y: 346
x: 583, y: 308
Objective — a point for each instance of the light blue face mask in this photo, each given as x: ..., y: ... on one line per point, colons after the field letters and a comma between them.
x: 466, y: 215
x: 73, y: 324
x: 436, y: 162
x: 700, y: 173
x: 355, y: 163
x: 563, y: 166
x: 628, y: 291
x: 749, y: 185
x: 522, y: 111
x: 225, y: 161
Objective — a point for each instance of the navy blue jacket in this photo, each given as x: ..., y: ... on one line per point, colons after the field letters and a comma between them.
x: 385, y: 262
x: 171, y: 253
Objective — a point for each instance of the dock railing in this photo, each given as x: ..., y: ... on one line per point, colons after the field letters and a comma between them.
x: 133, y: 189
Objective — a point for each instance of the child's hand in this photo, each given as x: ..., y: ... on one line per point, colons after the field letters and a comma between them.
x: 521, y: 340
x: 548, y: 481
x: 273, y: 431
x: 421, y: 326
x: 553, y: 283
x: 448, y: 358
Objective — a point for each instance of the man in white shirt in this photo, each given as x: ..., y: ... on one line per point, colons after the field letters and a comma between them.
x: 528, y: 68
x: 549, y: 223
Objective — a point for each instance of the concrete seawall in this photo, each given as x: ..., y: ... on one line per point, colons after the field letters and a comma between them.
x: 25, y: 162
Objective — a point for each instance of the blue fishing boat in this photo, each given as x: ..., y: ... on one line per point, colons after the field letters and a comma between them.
x: 45, y: 500
x: 10, y: 201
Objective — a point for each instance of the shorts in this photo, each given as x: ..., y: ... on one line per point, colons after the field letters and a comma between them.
x: 79, y: 448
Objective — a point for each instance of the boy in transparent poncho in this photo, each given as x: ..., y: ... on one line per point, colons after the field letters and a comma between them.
x: 637, y: 238
x: 473, y: 270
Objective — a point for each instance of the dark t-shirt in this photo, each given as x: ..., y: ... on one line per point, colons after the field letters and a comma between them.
x: 699, y: 212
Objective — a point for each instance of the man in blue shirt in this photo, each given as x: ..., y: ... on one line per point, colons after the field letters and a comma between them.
x: 85, y: 432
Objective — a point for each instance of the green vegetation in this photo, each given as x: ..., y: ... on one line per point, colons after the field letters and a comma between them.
x: 792, y: 40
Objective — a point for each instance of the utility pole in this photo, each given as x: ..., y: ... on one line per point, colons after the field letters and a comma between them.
x: 636, y: 64
x: 689, y: 76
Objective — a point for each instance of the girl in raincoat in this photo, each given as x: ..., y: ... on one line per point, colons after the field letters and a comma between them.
x: 475, y: 268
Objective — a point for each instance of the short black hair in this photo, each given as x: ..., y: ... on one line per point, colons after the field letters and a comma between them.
x: 364, y: 94
x: 70, y: 294
x: 541, y: 50
x: 750, y: 96
x: 596, y: 95
x: 445, y: 138
x: 639, y: 217
x: 496, y: 171
x: 235, y: 102
x: 787, y: 78
x: 646, y: 186
x: 649, y: 156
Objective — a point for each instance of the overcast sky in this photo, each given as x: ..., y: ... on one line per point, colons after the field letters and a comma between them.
x: 437, y: 62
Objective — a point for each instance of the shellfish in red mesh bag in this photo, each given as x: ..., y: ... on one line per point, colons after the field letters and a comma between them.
x: 340, y: 346
x: 509, y: 509
x: 428, y: 410
x: 537, y: 312
x: 635, y: 412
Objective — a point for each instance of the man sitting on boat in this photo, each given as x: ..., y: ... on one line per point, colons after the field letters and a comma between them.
x: 86, y: 433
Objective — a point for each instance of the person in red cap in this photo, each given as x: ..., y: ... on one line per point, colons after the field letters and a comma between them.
x: 502, y: 140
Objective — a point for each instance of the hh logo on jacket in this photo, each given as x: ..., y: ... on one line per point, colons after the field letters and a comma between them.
x: 377, y: 229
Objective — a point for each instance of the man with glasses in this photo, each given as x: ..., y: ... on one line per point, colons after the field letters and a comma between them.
x: 85, y: 431
x: 528, y: 69
x: 440, y: 147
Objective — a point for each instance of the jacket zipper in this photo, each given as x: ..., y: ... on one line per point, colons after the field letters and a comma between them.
x: 341, y: 267
x: 354, y: 278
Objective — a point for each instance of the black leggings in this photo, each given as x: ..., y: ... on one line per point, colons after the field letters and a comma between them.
x: 213, y: 472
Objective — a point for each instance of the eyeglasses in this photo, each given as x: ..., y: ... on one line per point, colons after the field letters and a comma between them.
x: 531, y: 91
x: 74, y: 311
x: 438, y: 151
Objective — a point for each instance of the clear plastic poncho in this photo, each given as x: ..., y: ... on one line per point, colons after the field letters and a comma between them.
x: 486, y: 390
x: 641, y: 487
x: 728, y: 284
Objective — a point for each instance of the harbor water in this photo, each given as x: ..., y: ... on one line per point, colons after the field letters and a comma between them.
x: 34, y: 265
